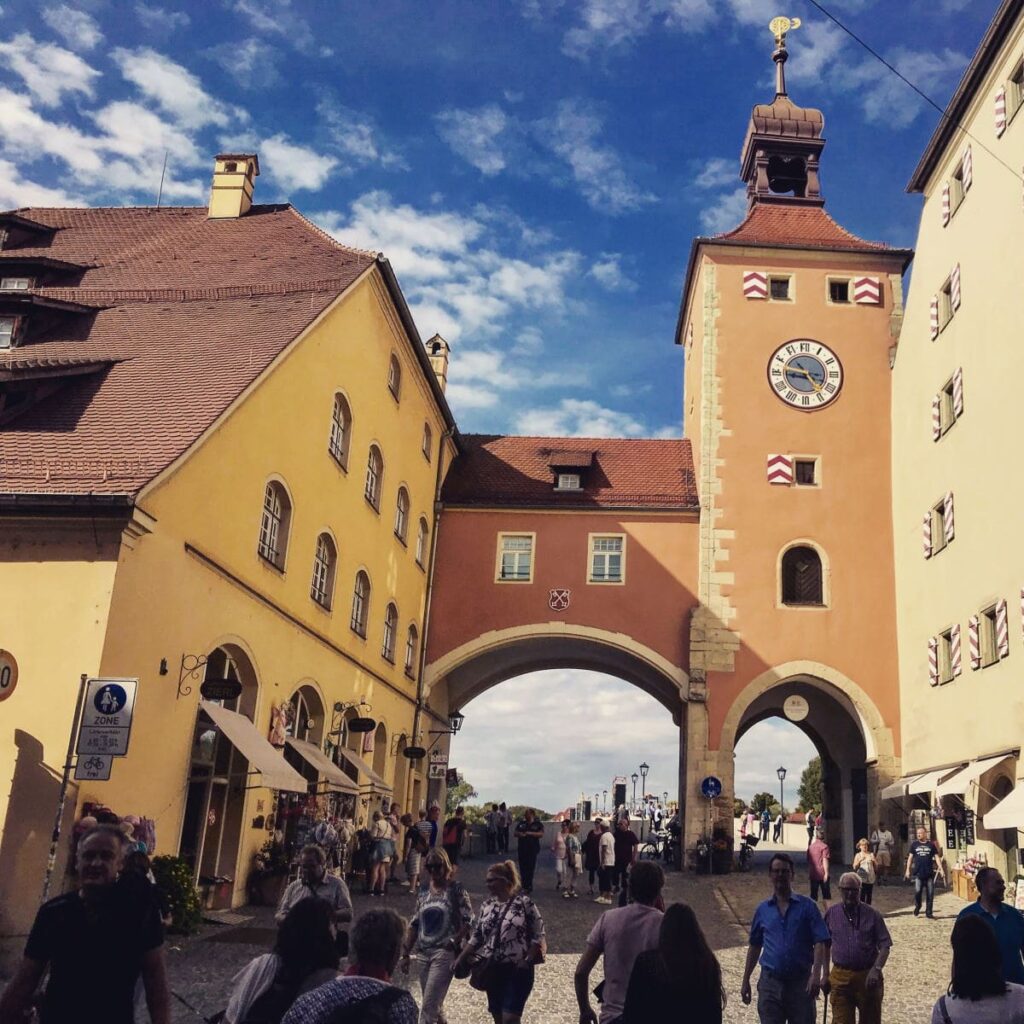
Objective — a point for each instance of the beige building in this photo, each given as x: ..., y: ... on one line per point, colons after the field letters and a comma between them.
x: 957, y: 491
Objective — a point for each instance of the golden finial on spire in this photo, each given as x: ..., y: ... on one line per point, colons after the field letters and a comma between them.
x: 780, y: 26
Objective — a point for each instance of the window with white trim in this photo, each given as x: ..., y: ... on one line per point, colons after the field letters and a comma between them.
x: 780, y: 288
x: 988, y: 641
x: 938, y: 514
x: 802, y: 577
x: 8, y: 325
x: 805, y: 471
x: 374, y: 476
x: 360, y: 604
x: 411, y: 643
x: 395, y: 377
x: 274, y: 524
x: 387, y: 647
x: 324, y: 562
x: 341, y: 431
x: 15, y: 284
x: 839, y: 292
x: 947, y: 406
x: 515, y: 557
x: 607, y: 558
x: 957, y: 192
x: 945, y: 303
x: 567, y: 482
x: 945, y: 655
x: 402, y: 514
x: 427, y: 445
x: 422, y: 532
x: 1015, y: 90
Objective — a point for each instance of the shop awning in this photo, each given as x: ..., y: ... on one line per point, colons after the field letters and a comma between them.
x: 1008, y: 813
x: 376, y: 782
x: 930, y: 780
x: 275, y: 772
x: 958, y: 783
x: 899, y: 788
x: 337, y: 781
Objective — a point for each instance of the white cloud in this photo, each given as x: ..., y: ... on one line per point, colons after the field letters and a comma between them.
x: 77, y: 28
x: 608, y: 273
x: 583, y: 417
x: 251, y: 62
x: 278, y: 17
x: 49, y: 71
x: 607, y: 24
x: 173, y: 88
x: 817, y: 50
x: 717, y: 172
x: 725, y: 213
x: 573, y: 134
x: 294, y: 166
x: 356, y: 138
x: 16, y: 190
x: 474, y: 135
x: 159, y: 20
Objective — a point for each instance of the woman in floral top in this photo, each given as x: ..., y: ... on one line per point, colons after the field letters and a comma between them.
x: 509, y: 931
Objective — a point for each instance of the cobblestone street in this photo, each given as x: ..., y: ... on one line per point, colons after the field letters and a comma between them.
x: 201, y: 967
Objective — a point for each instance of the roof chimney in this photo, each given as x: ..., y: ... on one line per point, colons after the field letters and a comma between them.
x: 233, y: 177
x: 439, y: 350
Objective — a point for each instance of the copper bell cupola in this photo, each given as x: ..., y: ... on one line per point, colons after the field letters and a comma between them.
x: 784, y: 141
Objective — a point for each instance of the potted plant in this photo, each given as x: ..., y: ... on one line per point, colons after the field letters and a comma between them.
x: 721, y: 851
x: 174, y: 880
x: 269, y: 874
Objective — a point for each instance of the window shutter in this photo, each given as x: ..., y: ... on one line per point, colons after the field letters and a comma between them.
x: 947, y: 516
x: 1002, y: 630
x: 954, y: 287
x: 867, y: 291
x: 945, y: 204
x: 958, y: 392
x: 1000, y: 111
x: 974, y: 641
x: 936, y: 417
x: 933, y: 660
x: 967, y: 169
x: 755, y: 284
x: 934, y: 317
x: 955, y: 657
x: 780, y: 469
x: 926, y: 534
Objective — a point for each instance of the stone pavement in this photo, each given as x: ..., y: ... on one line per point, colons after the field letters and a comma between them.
x: 201, y: 966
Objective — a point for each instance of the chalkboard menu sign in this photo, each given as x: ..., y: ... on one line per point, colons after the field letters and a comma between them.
x: 969, y: 827
x: 950, y: 833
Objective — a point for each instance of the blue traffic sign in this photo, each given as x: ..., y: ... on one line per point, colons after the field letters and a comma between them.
x: 711, y: 787
x: 110, y: 699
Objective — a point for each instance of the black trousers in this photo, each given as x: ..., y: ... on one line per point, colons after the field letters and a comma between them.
x: 527, y: 867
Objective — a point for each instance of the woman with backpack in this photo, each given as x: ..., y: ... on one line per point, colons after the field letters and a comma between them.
x: 453, y: 834
x: 305, y: 956
x: 438, y: 926
x: 416, y: 847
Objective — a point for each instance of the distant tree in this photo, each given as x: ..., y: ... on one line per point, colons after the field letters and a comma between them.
x: 738, y: 806
x: 518, y: 810
x: 811, y: 791
x: 458, y: 794
x: 763, y: 800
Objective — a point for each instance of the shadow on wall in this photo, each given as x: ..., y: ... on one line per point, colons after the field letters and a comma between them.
x: 25, y: 843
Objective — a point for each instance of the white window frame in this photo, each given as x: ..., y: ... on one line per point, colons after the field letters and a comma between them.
x: 325, y: 560
x: 530, y: 553
x: 8, y: 331
x: 412, y: 638
x: 275, y: 521
x: 947, y: 409
x: 360, y: 616
x: 593, y: 554
x: 402, y: 514
x: 938, y: 514
x: 338, y: 443
x: 988, y: 644
x: 790, y: 280
x: 956, y: 188
x: 374, y: 478
x: 15, y: 284
x: 390, y: 634
x: 816, y: 460
x: 834, y: 279
x: 422, y: 533
x: 946, y: 311
x: 944, y: 653
x: 568, y: 482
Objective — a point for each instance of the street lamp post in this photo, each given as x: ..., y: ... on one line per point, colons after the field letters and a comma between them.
x: 781, y: 772
x: 597, y: 806
x: 634, y: 777
x: 644, y: 769
x: 604, y: 801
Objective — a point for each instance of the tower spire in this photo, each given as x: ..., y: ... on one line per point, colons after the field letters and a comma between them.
x: 780, y: 26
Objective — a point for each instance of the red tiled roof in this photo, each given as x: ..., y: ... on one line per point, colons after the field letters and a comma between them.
x: 805, y: 227
x: 191, y: 311
x: 626, y: 473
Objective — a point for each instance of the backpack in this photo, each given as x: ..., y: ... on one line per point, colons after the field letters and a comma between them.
x: 419, y: 841
x: 373, y: 1009
x: 269, y: 1007
x: 450, y: 836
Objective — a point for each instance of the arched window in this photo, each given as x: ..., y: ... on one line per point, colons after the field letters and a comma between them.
x: 421, y: 542
x: 411, y: 640
x: 307, y: 716
x: 341, y: 431
x: 395, y: 376
x: 374, y: 476
x: 324, y: 562
x: 802, y: 577
x: 402, y: 514
x: 277, y: 516
x: 428, y: 441
x: 360, y: 603
x: 387, y: 647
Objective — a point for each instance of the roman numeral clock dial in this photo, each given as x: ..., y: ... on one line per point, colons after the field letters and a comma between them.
x: 805, y: 374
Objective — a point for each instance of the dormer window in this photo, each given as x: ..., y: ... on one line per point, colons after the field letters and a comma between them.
x: 567, y: 482
x: 15, y: 284
x: 8, y: 330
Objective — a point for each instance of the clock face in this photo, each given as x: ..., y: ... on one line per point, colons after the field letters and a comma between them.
x: 805, y: 374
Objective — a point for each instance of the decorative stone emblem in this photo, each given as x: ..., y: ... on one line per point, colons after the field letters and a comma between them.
x: 558, y: 600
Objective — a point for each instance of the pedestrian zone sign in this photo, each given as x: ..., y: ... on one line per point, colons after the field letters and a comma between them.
x: 107, y: 717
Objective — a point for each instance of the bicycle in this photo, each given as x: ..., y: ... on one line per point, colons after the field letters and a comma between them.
x: 654, y: 846
x: 745, y: 857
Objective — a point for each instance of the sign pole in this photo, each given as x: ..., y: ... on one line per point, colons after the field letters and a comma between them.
x: 55, y: 838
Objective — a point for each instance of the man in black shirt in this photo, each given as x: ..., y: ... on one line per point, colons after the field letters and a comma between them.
x: 529, y: 833
x: 923, y: 863
x: 96, y: 942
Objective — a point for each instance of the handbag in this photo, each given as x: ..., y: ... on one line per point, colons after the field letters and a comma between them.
x: 484, y: 973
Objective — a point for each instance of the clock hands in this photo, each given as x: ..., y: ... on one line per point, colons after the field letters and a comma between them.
x: 805, y: 373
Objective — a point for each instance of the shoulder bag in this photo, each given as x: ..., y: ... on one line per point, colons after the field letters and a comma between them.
x: 484, y: 973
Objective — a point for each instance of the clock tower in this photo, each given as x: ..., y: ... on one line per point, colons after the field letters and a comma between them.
x: 789, y: 323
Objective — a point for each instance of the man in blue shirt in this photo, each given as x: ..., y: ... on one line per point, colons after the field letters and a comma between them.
x: 1007, y: 921
x: 790, y: 937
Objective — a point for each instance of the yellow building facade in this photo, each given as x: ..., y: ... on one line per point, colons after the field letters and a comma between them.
x: 956, y: 489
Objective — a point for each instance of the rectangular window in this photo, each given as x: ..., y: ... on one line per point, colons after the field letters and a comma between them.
x: 15, y: 284
x: 946, y: 304
x: 568, y: 482
x: 515, y: 557
x: 7, y: 325
x: 607, y: 558
x: 945, y: 652
x: 805, y: 472
x: 838, y: 291
x: 987, y: 640
x: 956, y: 189
x: 938, y: 527
x: 947, y: 406
x: 1015, y: 90
x: 780, y: 288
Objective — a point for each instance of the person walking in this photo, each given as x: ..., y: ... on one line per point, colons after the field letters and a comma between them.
x: 626, y: 845
x: 560, y: 849
x: 865, y: 865
x: 744, y: 820
x: 573, y: 860
x: 437, y: 928
x: 859, y: 947
x: 96, y: 942
x: 1006, y: 921
x: 454, y: 834
x: 382, y: 848
x: 606, y: 859
x: 619, y: 936
x: 430, y: 829
x: 313, y: 881
x: 766, y: 823
x: 504, y: 826
x: 818, y: 864
x: 592, y: 855
x: 790, y: 938
x: 680, y: 972
x: 305, y: 955
x: 923, y: 864
x: 415, y: 848
x: 777, y: 829
x: 376, y: 946
x: 977, y: 993
x: 529, y: 833
x: 809, y: 822
x: 508, y: 932
x: 491, y: 829
x: 882, y: 843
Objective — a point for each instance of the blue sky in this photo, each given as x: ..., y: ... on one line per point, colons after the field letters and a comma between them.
x: 534, y: 169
